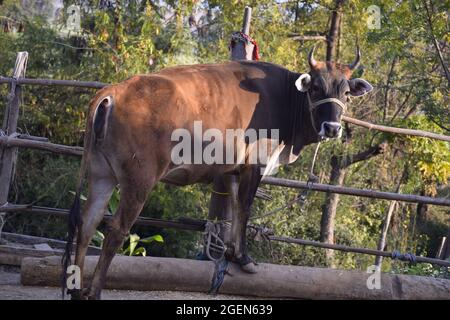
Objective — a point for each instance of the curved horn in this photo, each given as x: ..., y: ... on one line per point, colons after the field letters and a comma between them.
x: 355, y: 63
x: 311, y: 60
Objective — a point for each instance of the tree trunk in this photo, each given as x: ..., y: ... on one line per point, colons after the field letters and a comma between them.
x: 329, y: 209
x: 387, y: 220
x: 272, y: 281
x: 334, y: 30
x: 339, y: 167
x: 422, y: 210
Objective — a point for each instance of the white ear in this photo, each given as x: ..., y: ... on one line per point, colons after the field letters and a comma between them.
x: 303, y: 82
x: 359, y: 87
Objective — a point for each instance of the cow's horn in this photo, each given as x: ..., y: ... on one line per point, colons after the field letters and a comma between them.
x: 311, y: 60
x: 355, y: 63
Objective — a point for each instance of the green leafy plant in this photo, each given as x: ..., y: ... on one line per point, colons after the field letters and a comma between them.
x: 131, y: 244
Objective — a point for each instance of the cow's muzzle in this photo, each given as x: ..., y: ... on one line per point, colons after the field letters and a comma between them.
x: 330, y: 130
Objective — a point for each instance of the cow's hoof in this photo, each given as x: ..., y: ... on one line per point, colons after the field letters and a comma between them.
x: 93, y: 297
x: 93, y: 294
x: 249, y: 268
x: 247, y: 264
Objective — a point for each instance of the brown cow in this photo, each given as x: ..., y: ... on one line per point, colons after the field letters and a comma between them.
x: 129, y: 139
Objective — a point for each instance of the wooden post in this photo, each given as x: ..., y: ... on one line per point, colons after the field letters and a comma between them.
x: 384, y: 231
x: 243, y: 50
x: 220, y: 207
x: 440, y: 250
x: 8, y: 155
x: 446, y: 249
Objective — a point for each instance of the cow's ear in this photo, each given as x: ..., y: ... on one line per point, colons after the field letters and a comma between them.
x: 303, y: 82
x: 359, y: 87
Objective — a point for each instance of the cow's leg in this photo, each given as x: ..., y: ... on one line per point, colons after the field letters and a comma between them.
x: 132, y: 199
x: 248, y: 184
x: 101, y: 186
x: 99, y: 194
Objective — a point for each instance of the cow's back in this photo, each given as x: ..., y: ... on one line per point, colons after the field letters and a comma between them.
x: 148, y: 108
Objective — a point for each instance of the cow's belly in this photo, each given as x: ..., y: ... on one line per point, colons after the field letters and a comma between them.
x: 187, y: 174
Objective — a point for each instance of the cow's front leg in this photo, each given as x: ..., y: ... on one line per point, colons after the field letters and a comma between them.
x: 243, y: 196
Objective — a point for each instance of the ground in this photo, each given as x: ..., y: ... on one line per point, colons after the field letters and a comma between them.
x: 11, y: 289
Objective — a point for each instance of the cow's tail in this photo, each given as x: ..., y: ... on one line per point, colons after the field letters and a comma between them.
x: 95, y: 132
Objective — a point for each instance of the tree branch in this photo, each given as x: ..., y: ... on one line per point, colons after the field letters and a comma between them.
x: 363, y: 155
x: 435, y: 42
x: 334, y: 30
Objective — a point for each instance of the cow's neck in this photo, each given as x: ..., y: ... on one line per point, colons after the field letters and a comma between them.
x: 301, y: 130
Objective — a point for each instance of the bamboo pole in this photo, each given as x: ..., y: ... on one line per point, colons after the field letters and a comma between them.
x: 355, y: 192
x: 52, y: 82
x: 340, y: 247
x: 78, y: 151
x: 199, y: 225
x: 187, y: 224
x: 409, y: 132
x: 8, y: 142
x: 308, y: 38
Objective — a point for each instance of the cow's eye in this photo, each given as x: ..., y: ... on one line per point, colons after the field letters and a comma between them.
x: 315, y: 88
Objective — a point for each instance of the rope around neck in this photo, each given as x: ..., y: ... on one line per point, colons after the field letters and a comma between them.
x: 334, y: 100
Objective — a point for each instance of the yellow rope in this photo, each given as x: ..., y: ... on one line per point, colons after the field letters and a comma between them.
x: 221, y: 193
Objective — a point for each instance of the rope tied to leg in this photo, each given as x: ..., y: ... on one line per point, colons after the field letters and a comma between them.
x: 213, y: 243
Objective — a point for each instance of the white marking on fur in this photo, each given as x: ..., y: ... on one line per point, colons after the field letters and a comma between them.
x: 273, y: 162
x: 108, y: 110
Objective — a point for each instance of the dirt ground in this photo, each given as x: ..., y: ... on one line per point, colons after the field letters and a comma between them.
x: 11, y: 289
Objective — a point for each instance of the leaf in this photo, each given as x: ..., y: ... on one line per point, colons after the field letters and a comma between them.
x: 114, y: 201
x: 98, y: 238
x: 134, y: 239
x: 140, y: 251
x: 156, y: 237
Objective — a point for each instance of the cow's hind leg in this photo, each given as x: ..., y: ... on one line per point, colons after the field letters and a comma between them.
x: 132, y: 199
x: 100, y: 190
x: 249, y: 179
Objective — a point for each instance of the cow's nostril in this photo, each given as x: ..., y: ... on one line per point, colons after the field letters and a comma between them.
x: 332, y: 129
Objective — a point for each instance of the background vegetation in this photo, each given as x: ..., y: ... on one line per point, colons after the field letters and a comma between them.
x: 122, y: 38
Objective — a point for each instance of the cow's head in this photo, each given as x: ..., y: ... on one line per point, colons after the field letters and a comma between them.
x: 329, y: 88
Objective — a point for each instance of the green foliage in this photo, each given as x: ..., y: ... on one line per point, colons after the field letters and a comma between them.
x: 427, y: 157
x: 423, y: 269
x: 131, y: 242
